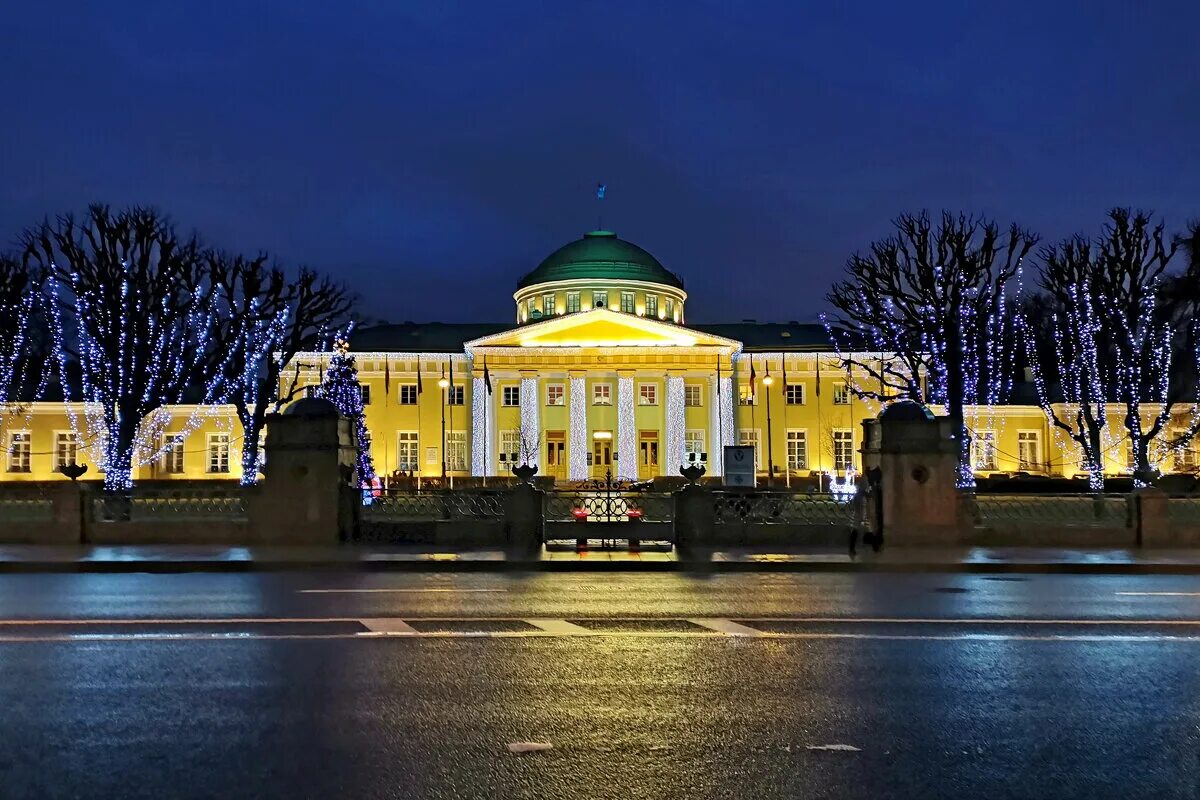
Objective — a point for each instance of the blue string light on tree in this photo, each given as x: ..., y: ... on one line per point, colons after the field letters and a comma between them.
x: 341, y: 387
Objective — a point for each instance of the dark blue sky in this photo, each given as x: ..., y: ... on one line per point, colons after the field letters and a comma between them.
x: 431, y: 156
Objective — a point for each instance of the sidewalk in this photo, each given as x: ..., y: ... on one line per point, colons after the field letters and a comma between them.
x: 198, y: 558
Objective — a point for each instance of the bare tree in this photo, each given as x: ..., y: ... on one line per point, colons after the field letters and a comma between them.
x: 22, y: 374
x: 131, y: 309
x: 932, y: 299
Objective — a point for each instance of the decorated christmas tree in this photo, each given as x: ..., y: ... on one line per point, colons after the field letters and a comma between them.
x: 341, y: 387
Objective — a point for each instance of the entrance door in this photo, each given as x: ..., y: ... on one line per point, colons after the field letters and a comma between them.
x: 556, y: 455
x: 647, y: 455
x: 601, y: 456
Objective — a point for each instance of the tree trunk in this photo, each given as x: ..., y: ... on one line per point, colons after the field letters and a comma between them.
x: 253, y: 421
x: 122, y: 434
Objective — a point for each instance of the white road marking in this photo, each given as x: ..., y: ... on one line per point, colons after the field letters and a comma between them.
x: 399, y: 591
x: 847, y: 748
x: 1160, y: 594
x: 969, y: 621
x: 726, y: 626
x: 560, y: 627
x: 389, y: 626
x: 528, y: 747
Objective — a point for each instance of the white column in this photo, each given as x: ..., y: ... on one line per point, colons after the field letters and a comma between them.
x: 577, y: 468
x: 479, y: 428
x: 531, y: 432
x: 720, y: 423
x: 675, y: 426
x: 626, y: 430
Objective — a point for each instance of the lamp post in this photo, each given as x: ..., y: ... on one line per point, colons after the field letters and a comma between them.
x: 767, y: 381
x: 443, y: 383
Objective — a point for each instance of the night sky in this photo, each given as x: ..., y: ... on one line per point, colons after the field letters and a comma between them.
x: 431, y: 153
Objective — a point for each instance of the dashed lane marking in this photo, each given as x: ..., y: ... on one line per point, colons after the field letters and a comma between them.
x: 726, y: 626
x: 401, y: 591
x: 389, y: 626
x: 1159, y: 594
x: 560, y: 627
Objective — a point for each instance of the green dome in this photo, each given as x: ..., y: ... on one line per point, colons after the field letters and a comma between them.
x: 600, y: 254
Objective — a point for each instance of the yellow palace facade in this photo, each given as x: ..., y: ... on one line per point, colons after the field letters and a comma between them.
x: 600, y: 370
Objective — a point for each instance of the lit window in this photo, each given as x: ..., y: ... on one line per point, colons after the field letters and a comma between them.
x: 408, y: 451
x: 983, y: 451
x: 843, y: 449
x: 669, y: 307
x: 455, y: 395
x: 745, y: 395
x: 408, y: 394
x: 573, y: 302
x: 218, y: 452
x: 531, y: 307
x: 651, y: 305
x: 548, y: 305
x: 600, y: 299
x: 1029, y: 450
x: 555, y: 394
x: 692, y: 395
x: 602, y: 394
x: 797, y: 450
x: 750, y: 439
x: 793, y: 394
x: 312, y: 390
x: 647, y: 394
x: 627, y: 302
x: 20, y: 450
x: 66, y: 448
x: 365, y: 392
x: 693, y: 446
x: 1186, y: 457
x: 456, y: 451
x: 510, y: 396
x: 841, y: 394
x: 172, y: 453
x: 510, y: 448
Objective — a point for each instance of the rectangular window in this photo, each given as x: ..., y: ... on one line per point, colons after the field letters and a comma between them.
x: 530, y: 307
x: 510, y: 396
x: 797, y: 450
x: 66, y: 448
x: 599, y: 299
x: 841, y: 394
x: 983, y: 451
x: 312, y: 390
x: 693, y: 395
x: 218, y: 452
x: 408, y: 394
x: 171, y: 459
x: 408, y: 451
x: 364, y: 391
x: 20, y: 450
x: 547, y: 305
x: 555, y: 394
x: 669, y: 306
x: 1186, y: 458
x: 651, y: 306
x: 1029, y: 450
x: 693, y: 446
x: 456, y: 451
x: 750, y: 439
x: 510, y: 448
x: 745, y: 395
x: 627, y: 302
x: 843, y: 449
x: 602, y: 394
x: 647, y: 394
x: 573, y: 302
x: 455, y: 395
x: 793, y: 394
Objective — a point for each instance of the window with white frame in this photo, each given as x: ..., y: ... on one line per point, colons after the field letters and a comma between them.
x: 364, y: 391
x: 841, y: 394
x: 573, y: 302
x: 66, y: 448
x: 794, y: 394
x: 669, y: 309
x: 556, y: 394
x: 312, y: 390
x: 599, y: 299
x: 510, y: 448
x: 408, y: 451
x: 1029, y: 450
x: 455, y: 395
x: 20, y: 451
x: 408, y: 394
x: 627, y: 302
x: 647, y: 394
x: 693, y: 395
x: 746, y: 396
x: 531, y: 307
x: 651, y: 305
x: 843, y: 449
x: 750, y: 439
x: 218, y: 452
x: 548, y: 305
x: 983, y: 451
x: 1186, y: 457
x: 171, y: 447
x: 602, y: 394
x: 456, y: 451
x: 797, y: 449
x: 510, y: 396
x: 693, y: 446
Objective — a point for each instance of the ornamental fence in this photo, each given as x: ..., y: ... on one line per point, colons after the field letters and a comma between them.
x: 590, y: 505
x: 167, y: 505
x: 396, y: 506
x: 781, y: 508
x: 1049, y: 510
x: 21, y: 505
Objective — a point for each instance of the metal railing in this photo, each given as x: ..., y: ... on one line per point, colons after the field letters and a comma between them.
x: 171, y: 505
x: 601, y: 506
x: 24, y: 505
x: 1049, y: 510
x: 441, y: 505
x: 1183, y: 510
x: 780, y: 507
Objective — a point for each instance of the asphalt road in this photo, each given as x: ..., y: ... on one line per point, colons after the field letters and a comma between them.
x: 645, y: 685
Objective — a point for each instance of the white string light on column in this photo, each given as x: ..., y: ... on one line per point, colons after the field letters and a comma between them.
x: 626, y: 430
x: 577, y: 457
x: 479, y: 459
x: 675, y: 425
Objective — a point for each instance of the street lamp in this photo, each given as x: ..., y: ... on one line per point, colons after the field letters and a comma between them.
x: 767, y: 381
x: 443, y: 383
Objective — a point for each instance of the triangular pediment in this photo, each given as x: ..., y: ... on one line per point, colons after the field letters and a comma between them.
x: 603, y: 328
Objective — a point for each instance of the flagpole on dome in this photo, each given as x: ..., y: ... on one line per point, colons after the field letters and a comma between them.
x: 601, y: 190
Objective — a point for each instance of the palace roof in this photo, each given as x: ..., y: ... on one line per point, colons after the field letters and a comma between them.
x: 601, y: 254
